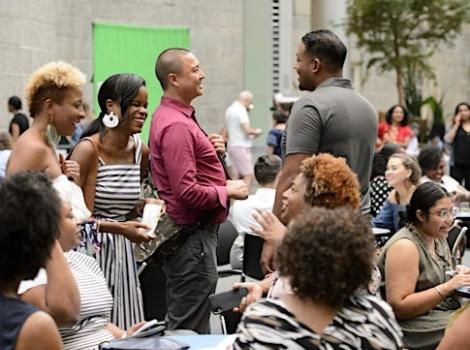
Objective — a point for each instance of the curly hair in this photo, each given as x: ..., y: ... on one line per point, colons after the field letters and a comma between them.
x: 51, y: 81
x: 29, y: 224
x: 330, y: 182
x: 327, y: 254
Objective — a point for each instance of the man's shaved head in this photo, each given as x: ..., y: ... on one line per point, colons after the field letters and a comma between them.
x: 169, y: 61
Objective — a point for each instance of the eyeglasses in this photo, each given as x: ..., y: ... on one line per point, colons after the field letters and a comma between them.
x: 447, y: 214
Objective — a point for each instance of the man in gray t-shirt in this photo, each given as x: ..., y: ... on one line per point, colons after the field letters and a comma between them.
x: 333, y: 118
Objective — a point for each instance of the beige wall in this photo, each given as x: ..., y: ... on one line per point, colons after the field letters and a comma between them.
x: 37, y: 31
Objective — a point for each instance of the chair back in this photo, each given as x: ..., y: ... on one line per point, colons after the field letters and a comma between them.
x: 227, y: 234
x: 459, y: 243
x: 253, y: 246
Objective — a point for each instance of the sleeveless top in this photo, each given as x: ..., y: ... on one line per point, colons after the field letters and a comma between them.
x: 14, y: 313
x: 432, y: 269
x: 427, y: 329
x: 95, y: 300
x: 117, y: 192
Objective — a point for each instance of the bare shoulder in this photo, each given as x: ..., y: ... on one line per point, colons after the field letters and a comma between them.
x: 403, y: 249
x: 29, y: 153
x: 31, y: 143
x: 145, y: 149
x: 39, y: 332
x: 84, y: 154
x: 455, y: 337
x: 84, y: 149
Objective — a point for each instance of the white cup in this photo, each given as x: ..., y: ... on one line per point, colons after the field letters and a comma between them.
x: 151, y: 216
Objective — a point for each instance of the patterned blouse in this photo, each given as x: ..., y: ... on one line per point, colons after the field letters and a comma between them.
x: 365, y: 322
x: 379, y: 190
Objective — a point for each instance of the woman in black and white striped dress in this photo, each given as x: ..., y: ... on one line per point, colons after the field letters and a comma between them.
x: 93, y: 325
x: 122, y: 158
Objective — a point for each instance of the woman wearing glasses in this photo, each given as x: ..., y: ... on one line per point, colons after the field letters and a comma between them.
x: 416, y: 265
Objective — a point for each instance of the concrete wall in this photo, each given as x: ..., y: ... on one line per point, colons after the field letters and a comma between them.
x: 37, y: 31
x: 258, y: 63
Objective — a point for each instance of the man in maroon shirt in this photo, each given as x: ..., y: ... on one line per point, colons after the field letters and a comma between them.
x: 189, y: 175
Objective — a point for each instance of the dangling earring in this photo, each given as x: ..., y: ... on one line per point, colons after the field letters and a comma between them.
x: 52, y: 135
x: 110, y: 120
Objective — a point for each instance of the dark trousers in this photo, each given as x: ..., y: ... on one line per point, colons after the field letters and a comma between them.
x: 191, y: 274
x: 461, y: 172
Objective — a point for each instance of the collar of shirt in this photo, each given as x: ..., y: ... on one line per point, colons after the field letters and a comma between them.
x: 340, y: 82
x: 187, y: 110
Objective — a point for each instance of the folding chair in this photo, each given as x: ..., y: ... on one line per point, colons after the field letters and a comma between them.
x: 457, y: 243
x: 252, y: 249
x: 226, y: 236
x: 253, y: 246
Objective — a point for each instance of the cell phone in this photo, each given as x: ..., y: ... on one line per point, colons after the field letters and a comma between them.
x: 226, y: 301
x: 149, y: 328
x: 463, y: 291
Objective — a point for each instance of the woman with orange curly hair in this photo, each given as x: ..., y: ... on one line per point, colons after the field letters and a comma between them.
x: 324, y: 181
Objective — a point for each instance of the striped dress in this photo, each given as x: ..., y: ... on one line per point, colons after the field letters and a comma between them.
x: 117, y: 192
x: 96, y: 304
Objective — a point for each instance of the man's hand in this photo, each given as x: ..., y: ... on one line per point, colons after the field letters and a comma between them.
x: 257, y: 132
x: 218, y: 142
x: 237, y: 189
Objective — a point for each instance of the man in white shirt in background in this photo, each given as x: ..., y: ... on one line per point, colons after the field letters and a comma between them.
x: 267, y: 170
x: 240, y: 135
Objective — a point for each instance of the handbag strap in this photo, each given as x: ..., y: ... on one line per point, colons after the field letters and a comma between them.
x: 89, y: 186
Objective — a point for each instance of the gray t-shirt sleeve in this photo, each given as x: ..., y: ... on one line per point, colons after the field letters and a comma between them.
x: 304, y: 131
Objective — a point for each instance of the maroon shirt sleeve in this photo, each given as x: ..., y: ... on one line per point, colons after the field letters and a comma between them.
x: 177, y: 150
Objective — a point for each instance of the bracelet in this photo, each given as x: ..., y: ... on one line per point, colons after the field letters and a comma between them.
x: 439, y: 292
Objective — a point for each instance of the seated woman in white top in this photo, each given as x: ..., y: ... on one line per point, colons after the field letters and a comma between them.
x: 93, y: 325
x: 431, y: 161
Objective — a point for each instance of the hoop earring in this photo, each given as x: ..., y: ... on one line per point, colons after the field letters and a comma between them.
x: 53, y: 136
x: 110, y: 120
